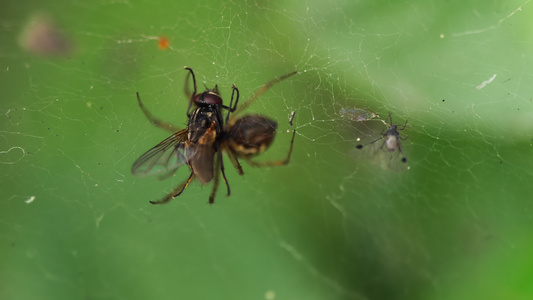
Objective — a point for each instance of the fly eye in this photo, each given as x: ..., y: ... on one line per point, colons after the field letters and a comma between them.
x: 209, y: 98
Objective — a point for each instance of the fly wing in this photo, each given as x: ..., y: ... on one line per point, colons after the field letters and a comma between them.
x: 202, y: 163
x: 165, y: 158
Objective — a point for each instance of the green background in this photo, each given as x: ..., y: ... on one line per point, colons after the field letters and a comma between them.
x: 456, y: 225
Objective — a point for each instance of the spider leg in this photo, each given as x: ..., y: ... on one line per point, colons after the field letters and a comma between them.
x: 262, y: 90
x: 229, y: 108
x: 223, y: 173
x: 273, y: 163
x: 234, y: 88
x: 175, y: 192
x: 186, y: 89
x: 234, y: 161
x: 155, y: 121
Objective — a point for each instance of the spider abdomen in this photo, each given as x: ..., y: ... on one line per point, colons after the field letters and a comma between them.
x: 252, y: 134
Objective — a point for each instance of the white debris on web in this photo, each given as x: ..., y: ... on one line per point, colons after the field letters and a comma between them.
x: 30, y: 200
x: 12, y: 158
x: 484, y: 83
x: 491, y: 27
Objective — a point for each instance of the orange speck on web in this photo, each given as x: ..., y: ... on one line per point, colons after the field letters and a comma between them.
x: 163, y: 43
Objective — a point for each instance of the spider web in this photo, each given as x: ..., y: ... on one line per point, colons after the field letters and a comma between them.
x: 332, y: 224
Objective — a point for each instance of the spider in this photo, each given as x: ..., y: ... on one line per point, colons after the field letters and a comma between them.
x: 207, y: 135
x: 391, y: 139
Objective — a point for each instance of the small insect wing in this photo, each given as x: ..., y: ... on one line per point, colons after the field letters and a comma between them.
x: 166, y: 157
x: 377, y: 153
x: 356, y: 114
x: 385, y: 151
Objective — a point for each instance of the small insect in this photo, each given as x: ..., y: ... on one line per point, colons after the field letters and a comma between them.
x: 391, y: 140
x: 207, y: 135
x: 357, y: 114
x: 291, y: 118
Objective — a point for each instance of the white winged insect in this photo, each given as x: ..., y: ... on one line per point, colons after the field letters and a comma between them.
x: 389, y: 153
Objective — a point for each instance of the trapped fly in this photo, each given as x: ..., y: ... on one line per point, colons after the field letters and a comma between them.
x: 200, y: 145
x: 389, y: 153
